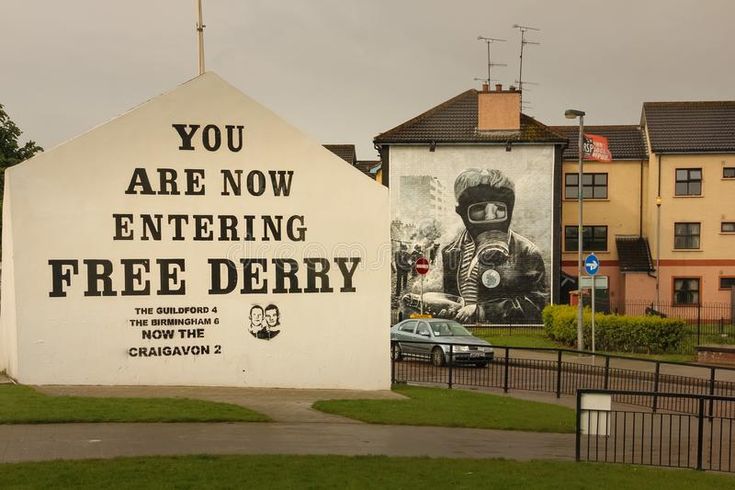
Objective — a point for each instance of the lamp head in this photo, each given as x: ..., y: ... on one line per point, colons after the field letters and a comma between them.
x: 573, y: 113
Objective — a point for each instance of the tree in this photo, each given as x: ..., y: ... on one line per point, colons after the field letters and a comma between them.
x: 10, y: 151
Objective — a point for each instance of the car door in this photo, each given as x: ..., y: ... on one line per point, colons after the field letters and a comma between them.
x: 423, y: 335
x: 406, y: 333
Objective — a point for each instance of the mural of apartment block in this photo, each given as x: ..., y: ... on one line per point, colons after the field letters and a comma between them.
x: 421, y: 196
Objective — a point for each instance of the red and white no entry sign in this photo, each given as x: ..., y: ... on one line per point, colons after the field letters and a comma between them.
x: 422, y: 265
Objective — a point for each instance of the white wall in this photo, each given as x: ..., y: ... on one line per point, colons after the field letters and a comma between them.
x: 63, y: 202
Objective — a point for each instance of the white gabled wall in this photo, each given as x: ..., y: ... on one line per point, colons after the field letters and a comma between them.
x: 62, y: 209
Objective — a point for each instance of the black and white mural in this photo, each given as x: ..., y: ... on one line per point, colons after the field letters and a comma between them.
x: 265, y: 322
x: 483, y: 218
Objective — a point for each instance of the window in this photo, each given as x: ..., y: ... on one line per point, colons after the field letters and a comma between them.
x: 727, y: 227
x: 686, y: 235
x: 594, y: 238
x: 686, y: 291
x: 423, y: 330
x: 728, y: 173
x: 408, y: 327
x: 594, y: 186
x: 727, y: 282
x: 688, y: 181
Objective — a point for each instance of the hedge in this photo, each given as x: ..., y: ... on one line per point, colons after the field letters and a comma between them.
x: 615, y: 333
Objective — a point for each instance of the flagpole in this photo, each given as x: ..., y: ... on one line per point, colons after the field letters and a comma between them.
x: 200, y: 36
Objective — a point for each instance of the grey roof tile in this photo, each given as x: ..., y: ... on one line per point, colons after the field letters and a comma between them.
x: 455, y: 121
x: 690, y: 127
x: 634, y: 254
x: 345, y: 152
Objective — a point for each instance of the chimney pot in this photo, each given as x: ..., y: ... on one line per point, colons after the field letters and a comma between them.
x: 498, y: 87
x: 485, y: 87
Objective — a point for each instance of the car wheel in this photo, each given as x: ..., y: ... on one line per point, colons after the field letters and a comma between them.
x: 396, y: 354
x: 437, y: 356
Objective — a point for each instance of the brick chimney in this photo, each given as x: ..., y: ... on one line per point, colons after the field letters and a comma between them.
x: 499, y: 109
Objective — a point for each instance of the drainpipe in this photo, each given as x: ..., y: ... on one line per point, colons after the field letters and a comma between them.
x: 640, y: 202
x: 658, y: 235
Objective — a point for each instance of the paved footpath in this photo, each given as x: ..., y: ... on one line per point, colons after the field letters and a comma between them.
x: 81, y: 441
x: 298, y: 429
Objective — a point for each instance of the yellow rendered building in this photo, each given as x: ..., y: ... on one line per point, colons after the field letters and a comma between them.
x: 661, y: 215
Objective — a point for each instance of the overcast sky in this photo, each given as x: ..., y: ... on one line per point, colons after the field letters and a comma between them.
x: 346, y: 70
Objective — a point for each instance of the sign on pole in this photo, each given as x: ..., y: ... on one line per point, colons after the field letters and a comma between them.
x: 422, y: 267
x: 592, y: 266
x: 601, y: 282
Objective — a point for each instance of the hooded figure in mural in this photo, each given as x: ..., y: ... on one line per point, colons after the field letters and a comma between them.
x: 498, y: 273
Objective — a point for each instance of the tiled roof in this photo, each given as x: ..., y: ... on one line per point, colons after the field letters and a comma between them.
x: 625, y: 142
x: 634, y: 254
x: 368, y: 167
x: 455, y: 121
x: 345, y: 152
x: 690, y: 127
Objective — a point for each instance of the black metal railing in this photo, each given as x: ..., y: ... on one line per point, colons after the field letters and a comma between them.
x: 701, y: 440
x: 564, y: 371
x: 706, y: 323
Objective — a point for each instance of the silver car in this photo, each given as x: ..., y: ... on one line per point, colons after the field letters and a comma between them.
x: 432, y: 337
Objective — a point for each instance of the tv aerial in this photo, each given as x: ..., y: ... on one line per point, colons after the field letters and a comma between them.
x: 523, y: 30
x: 490, y: 64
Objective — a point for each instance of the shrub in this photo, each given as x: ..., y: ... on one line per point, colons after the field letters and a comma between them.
x: 649, y: 334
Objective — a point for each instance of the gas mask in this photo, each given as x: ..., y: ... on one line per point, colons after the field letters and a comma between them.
x: 491, y: 220
x: 485, y: 201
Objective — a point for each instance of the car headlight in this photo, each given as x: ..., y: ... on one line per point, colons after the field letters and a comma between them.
x: 461, y: 348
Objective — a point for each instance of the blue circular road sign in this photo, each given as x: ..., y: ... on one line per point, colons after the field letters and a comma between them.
x: 592, y: 264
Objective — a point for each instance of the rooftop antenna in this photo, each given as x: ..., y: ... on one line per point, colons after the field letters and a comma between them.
x: 200, y: 36
x: 490, y: 64
x: 524, y: 103
x: 523, y: 30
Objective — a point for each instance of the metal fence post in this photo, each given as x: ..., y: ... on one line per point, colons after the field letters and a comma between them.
x: 700, y: 435
x: 699, y: 324
x: 392, y: 363
x: 712, y: 374
x: 607, y: 372
x: 577, y: 443
x: 451, y: 362
x: 655, y: 385
x: 558, y: 373
x: 506, y: 368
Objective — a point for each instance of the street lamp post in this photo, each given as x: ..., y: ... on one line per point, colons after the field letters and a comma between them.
x: 573, y: 114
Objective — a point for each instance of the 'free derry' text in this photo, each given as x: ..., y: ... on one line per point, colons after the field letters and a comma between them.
x: 145, y: 276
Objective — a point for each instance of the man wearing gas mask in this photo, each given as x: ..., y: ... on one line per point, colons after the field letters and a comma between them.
x: 499, y: 274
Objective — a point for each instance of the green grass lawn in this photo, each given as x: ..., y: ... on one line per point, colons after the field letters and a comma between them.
x: 24, y: 405
x: 513, y: 340
x: 455, y: 408
x: 339, y: 472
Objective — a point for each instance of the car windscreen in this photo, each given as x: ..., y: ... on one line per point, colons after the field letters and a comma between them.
x: 448, y: 329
